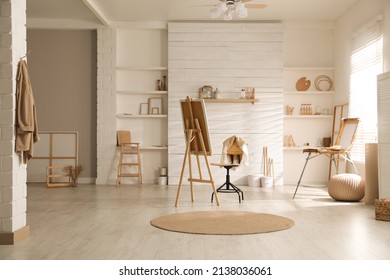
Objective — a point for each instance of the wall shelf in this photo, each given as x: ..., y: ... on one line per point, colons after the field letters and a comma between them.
x: 308, y: 116
x: 306, y: 128
x: 135, y: 116
x: 138, y: 68
x: 141, y: 68
x: 213, y: 100
x: 300, y: 148
x: 158, y: 92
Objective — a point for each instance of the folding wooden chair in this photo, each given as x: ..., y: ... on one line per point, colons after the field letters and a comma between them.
x: 340, y: 151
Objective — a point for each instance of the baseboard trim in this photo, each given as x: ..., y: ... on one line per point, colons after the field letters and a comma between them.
x: 11, y: 238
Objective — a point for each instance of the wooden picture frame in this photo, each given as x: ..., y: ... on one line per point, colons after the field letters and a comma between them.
x: 195, y: 110
x: 155, y: 105
x: 144, y: 109
x: 155, y: 111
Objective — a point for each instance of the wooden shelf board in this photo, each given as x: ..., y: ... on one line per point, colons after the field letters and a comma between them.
x: 142, y: 68
x: 308, y: 116
x: 126, y: 116
x: 58, y: 176
x: 142, y: 91
x: 237, y: 100
x: 300, y: 148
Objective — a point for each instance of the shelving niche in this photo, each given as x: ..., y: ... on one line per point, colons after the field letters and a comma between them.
x: 306, y: 129
x: 141, y: 61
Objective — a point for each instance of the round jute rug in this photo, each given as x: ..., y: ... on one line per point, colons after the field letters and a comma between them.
x: 222, y: 222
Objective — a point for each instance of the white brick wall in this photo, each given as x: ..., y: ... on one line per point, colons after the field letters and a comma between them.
x: 13, y: 189
x: 106, y: 106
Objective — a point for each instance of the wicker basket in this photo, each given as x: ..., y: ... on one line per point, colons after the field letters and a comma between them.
x: 382, y: 209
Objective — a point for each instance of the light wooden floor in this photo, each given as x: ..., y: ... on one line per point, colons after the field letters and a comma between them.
x: 104, y: 222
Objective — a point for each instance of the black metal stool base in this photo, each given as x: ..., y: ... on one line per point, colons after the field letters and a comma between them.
x: 228, y: 187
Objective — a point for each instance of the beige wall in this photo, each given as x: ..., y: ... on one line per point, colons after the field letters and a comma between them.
x: 62, y: 66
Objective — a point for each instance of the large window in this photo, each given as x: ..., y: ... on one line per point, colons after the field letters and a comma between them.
x: 366, y: 64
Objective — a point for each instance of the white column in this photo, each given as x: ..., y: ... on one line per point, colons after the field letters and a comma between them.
x: 106, y: 106
x: 13, y: 188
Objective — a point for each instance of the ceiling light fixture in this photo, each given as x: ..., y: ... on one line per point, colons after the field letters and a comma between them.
x: 227, y: 8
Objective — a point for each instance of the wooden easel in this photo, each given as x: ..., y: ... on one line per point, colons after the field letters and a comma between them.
x: 194, y: 119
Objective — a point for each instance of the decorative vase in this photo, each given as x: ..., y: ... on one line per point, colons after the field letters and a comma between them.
x: 217, y: 94
x: 160, y: 85
x: 165, y: 83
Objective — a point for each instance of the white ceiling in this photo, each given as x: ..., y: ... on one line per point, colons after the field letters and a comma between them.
x: 170, y: 10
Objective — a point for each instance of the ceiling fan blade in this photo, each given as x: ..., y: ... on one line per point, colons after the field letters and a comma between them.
x: 255, y: 6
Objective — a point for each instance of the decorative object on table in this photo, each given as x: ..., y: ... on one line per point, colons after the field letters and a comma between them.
x: 346, y: 187
x: 74, y: 173
x: 323, y: 83
x: 303, y: 84
x: 217, y: 94
x: 144, y: 109
x: 165, y: 83
x: 289, y: 141
x: 242, y: 93
x: 319, y: 142
x: 306, y: 109
x: 317, y: 111
x: 159, y: 85
x: 326, y: 141
x: 289, y: 110
x: 382, y: 209
x: 155, y: 105
x: 250, y: 93
x: 205, y: 92
x: 267, y: 180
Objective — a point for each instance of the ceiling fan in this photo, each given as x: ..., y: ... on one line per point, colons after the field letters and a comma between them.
x: 228, y: 7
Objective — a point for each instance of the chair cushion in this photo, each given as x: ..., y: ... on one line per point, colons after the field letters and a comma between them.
x: 346, y: 187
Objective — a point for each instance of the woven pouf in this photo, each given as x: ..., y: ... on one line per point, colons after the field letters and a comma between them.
x: 346, y: 187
